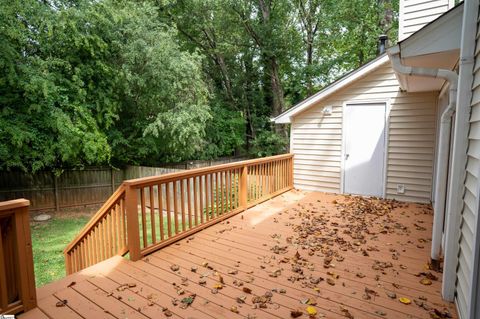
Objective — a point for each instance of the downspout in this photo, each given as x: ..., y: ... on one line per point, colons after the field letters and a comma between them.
x: 444, y: 144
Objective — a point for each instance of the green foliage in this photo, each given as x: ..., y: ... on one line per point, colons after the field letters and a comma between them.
x: 225, y: 133
x: 140, y: 82
x: 268, y: 143
x: 87, y: 82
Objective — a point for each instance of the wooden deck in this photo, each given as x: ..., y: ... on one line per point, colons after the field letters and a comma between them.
x: 350, y: 264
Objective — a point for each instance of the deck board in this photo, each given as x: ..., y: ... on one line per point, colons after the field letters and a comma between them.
x: 240, y: 249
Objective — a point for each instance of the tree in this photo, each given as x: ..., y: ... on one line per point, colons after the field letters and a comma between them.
x: 93, y: 80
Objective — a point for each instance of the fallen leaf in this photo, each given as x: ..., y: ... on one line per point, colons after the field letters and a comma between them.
x: 426, y: 282
x: 61, y: 303
x: 296, y: 313
x: 347, y: 313
x: 234, y: 309
x: 73, y: 283
x: 311, y: 311
x: 391, y: 295
x: 174, y: 267
x: 247, y: 290
x: 405, y: 300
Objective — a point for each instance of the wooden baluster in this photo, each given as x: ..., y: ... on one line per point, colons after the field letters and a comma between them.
x: 243, y: 187
x: 113, y: 227
x: 123, y: 223
x: 160, y: 211
x: 169, y: 217
x: 133, y: 232
x: 96, y: 259
x: 291, y: 172
x: 208, y: 197
x: 144, y: 217
x: 90, y: 250
x: 219, y: 194
x: 213, y: 205
x: 189, y: 203
x: 195, y: 198
x: 175, y: 206
x: 182, y: 203
x: 152, y: 216
x: 111, y: 231
x: 228, y: 191
x: 201, y: 181
x: 236, y: 193
x: 264, y: 178
x: 257, y: 182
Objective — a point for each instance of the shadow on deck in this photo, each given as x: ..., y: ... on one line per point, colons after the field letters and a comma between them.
x: 349, y: 264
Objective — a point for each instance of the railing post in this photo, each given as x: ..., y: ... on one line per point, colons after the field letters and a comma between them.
x: 243, y: 191
x: 133, y: 232
x: 25, y: 256
x: 68, y: 263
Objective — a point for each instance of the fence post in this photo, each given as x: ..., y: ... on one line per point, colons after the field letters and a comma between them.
x: 112, y: 175
x: 55, y: 186
x: 244, y: 187
x: 133, y: 232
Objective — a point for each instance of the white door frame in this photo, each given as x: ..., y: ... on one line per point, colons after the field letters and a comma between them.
x: 386, y: 136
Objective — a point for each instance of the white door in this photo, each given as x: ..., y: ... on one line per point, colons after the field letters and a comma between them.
x: 364, y: 148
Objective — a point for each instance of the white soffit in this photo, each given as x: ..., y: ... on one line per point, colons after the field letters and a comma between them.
x: 440, y: 35
x: 436, y: 46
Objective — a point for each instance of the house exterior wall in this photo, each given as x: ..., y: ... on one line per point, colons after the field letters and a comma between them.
x: 414, y: 14
x: 471, y: 197
x: 316, y: 139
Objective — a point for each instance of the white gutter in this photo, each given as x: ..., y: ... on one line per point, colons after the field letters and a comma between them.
x: 444, y: 144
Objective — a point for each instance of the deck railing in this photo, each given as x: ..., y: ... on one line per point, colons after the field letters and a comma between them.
x: 17, y: 280
x: 146, y: 214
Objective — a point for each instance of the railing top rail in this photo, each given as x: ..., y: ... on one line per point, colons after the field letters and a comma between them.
x: 204, y: 170
x: 99, y: 215
x: 12, y: 204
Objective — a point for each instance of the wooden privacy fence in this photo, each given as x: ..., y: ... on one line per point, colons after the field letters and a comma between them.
x: 146, y: 214
x: 81, y: 187
x: 17, y: 281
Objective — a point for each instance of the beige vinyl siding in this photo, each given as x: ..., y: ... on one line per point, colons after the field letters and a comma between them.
x: 471, y: 196
x: 316, y: 138
x: 414, y: 14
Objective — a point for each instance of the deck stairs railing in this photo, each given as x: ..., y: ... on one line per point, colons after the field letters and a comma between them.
x: 146, y: 214
x: 17, y: 280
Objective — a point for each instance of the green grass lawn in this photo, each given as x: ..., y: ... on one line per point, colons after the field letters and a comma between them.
x: 49, y: 239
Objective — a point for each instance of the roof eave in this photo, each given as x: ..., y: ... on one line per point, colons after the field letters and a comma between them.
x: 286, y: 117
